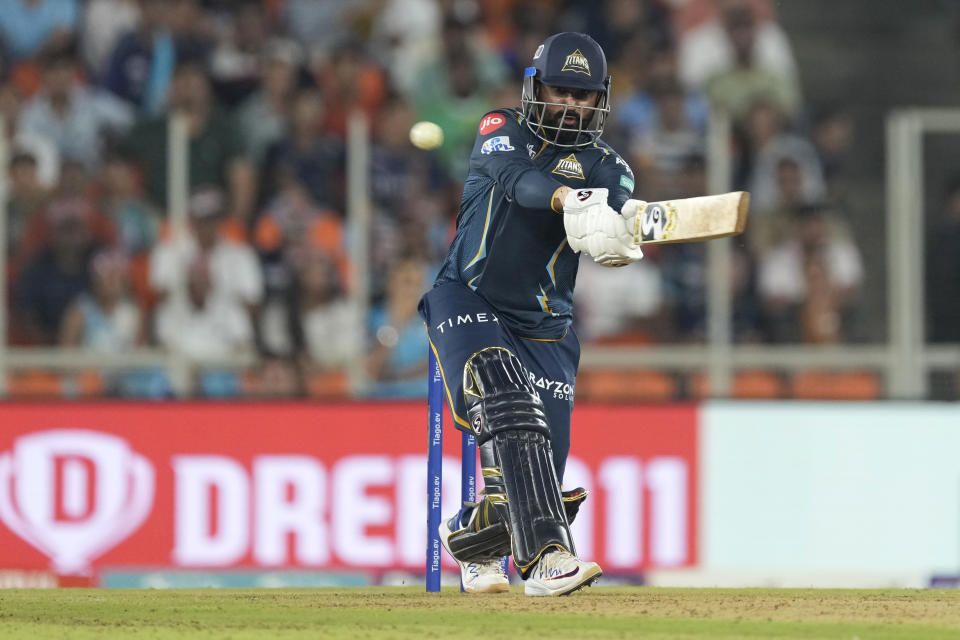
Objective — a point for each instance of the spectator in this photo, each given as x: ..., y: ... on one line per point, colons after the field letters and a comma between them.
x: 263, y: 117
x: 313, y: 321
x: 73, y: 192
x: 137, y: 220
x: 619, y: 305
x: 321, y: 24
x: 821, y: 314
x: 638, y: 110
x: 140, y: 65
x: 205, y: 327
x: 455, y: 88
x: 736, y: 88
x: 409, y: 193
x: 312, y: 156
x: 516, y: 29
x: 108, y: 321
x: 397, y: 361
x: 56, y: 274
x: 35, y: 144
x: 216, y: 146
x: 684, y: 273
x: 230, y: 267
x: 8, y: 67
x: 105, y: 318
x: 420, y: 227
x: 193, y: 28
x: 235, y: 67
x: 404, y: 30
x: 350, y: 80
x: 37, y: 27
x: 808, y: 282
x: 105, y: 22
x: 943, y: 272
x: 660, y: 150
x: 396, y: 169
x: 290, y: 228
x: 278, y: 377
x: 769, y: 143
x: 26, y: 202
x: 770, y: 227
x: 708, y: 49
x: 76, y: 117
x: 833, y: 134
x: 618, y: 24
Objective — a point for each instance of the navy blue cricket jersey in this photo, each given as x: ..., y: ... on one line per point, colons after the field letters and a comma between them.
x: 510, y: 246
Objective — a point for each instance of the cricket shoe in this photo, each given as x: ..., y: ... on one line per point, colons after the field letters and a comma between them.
x: 476, y: 577
x: 559, y: 573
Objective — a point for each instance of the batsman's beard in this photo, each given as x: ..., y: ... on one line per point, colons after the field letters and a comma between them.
x: 564, y: 133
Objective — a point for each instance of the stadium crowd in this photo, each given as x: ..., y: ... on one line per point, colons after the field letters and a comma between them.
x: 86, y: 90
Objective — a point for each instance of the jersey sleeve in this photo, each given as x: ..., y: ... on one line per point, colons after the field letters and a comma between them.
x: 613, y: 173
x: 500, y: 153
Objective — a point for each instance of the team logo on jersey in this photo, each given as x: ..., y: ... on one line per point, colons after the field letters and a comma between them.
x: 577, y: 62
x: 569, y: 167
x: 500, y: 143
x: 491, y: 122
x: 657, y: 220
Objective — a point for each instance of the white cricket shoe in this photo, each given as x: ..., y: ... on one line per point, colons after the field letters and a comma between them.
x: 476, y: 577
x: 559, y: 573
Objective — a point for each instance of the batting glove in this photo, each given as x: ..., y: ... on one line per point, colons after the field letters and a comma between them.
x: 595, y: 228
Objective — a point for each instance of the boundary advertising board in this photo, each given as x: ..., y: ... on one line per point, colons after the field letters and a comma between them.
x: 338, y: 487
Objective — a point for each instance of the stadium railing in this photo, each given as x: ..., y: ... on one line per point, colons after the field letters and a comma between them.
x: 903, y: 363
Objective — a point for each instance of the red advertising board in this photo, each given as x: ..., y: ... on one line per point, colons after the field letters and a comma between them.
x: 183, y: 485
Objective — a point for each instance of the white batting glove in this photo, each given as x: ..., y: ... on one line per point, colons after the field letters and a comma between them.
x: 595, y: 228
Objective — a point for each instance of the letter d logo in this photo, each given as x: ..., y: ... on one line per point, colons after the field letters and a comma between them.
x: 74, y: 494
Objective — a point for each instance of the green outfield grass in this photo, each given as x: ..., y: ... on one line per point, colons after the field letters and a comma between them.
x: 410, y: 613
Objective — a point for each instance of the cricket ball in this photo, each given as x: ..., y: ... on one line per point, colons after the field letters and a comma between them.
x: 426, y: 135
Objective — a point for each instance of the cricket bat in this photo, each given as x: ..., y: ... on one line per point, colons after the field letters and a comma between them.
x: 691, y: 219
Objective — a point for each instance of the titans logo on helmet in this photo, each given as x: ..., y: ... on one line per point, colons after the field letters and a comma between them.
x: 577, y: 62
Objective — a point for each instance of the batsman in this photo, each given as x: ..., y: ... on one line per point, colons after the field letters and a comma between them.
x: 542, y: 187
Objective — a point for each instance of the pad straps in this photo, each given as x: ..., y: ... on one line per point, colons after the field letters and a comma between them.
x: 494, y: 381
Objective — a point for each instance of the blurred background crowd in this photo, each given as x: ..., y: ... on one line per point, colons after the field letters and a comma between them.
x: 86, y: 88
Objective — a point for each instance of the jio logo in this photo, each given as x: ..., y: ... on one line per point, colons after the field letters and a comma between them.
x: 491, y: 123
x: 74, y: 494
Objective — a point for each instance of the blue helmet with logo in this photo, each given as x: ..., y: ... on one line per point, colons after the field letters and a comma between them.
x: 575, y: 61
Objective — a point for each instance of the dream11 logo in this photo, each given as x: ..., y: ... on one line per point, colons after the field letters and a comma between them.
x: 74, y: 494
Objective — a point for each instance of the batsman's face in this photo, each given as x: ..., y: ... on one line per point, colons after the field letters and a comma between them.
x: 568, y: 112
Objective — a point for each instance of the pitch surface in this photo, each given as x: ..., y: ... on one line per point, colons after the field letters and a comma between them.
x: 410, y: 613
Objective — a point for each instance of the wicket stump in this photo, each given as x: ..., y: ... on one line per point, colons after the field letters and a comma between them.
x: 468, y: 473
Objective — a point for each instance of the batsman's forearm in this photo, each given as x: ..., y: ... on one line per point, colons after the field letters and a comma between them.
x: 558, y: 197
x: 526, y: 185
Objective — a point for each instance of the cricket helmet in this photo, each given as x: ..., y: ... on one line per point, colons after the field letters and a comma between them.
x: 572, y: 60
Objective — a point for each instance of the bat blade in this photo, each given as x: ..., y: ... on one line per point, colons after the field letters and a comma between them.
x: 692, y: 219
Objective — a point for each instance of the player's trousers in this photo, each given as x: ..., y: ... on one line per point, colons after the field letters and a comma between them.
x: 460, y: 323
